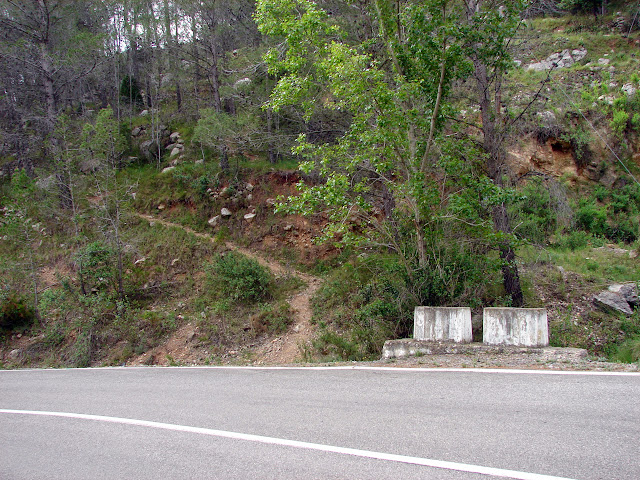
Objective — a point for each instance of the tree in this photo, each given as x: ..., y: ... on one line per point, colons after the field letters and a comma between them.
x: 48, y: 47
x: 104, y: 143
x: 492, y: 26
x: 394, y: 165
x: 16, y: 222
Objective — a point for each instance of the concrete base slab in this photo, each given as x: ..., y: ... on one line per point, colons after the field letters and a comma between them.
x: 442, y: 324
x: 525, y: 327
x: 408, y: 347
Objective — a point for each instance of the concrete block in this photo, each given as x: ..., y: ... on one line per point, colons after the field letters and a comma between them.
x: 525, y: 327
x: 452, y: 324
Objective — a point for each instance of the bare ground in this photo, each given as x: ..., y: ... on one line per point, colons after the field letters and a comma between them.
x: 284, y: 349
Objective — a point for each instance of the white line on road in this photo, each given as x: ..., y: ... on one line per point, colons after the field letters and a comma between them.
x: 496, y: 472
x: 343, y: 367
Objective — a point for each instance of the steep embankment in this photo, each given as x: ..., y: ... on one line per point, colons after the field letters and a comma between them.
x: 286, y: 348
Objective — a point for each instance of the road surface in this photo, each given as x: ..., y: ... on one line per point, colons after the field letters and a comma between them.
x: 323, y: 423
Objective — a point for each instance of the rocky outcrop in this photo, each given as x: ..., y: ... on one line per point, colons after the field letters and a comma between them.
x: 563, y: 59
x: 618, y: 298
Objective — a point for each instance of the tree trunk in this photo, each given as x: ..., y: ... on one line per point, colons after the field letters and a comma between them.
x: 493, y: 146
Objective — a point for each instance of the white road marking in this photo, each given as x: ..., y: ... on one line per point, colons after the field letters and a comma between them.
x: 496, y: 472
x: 347, y: 367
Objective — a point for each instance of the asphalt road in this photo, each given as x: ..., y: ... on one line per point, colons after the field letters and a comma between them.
x: 249, y: 420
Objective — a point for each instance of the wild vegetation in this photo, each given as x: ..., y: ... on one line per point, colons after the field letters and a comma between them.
x: 409, y: 153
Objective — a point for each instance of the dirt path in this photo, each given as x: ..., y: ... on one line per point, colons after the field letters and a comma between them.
x: 288, y: 347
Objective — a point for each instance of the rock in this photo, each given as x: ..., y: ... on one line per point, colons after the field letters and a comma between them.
x: 548, y: 117
x: 612, y: 301
x: 563, y: 59
x: 168, y: 169
x: 180, y: 141
x: 175, y: 151
x: 174, y: 262
x: 162, y: 206
x: 628, y: 89
x: 226, y: 192
x: 606, y: 98
x: 88, y: 165
x: 150, y: 150
x: 249, y: 198
x: 249, y: 187
x: 214, y: 221
x: 242, y: 82
x: 144, y: 113
x: 14, y: 354
x: 270, y: 202
x: 225, y: 212
x: 628, y: 291
x: 288, y: 228
x: 608, y: 179
x: 141, y: 260
x: 603, y: 61
x: 136, y: 131
x: 46, y: 183
x: 174, y: 137
x: 249, y: 217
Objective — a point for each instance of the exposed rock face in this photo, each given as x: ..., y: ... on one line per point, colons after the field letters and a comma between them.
x: 608, y: 300
x: 628, y: 89
x: 627, y: 291
x: 150, y: 150
x: 562, y: 59
x: 554, y: 157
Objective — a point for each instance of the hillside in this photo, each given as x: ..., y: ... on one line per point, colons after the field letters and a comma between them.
x: 149, y: 224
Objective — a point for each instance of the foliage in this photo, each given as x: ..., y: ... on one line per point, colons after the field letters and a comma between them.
x: 239, y: 278
x: 362, y: 304
x: 215, y: 128
x: 130, y: 90
x: 274, y: 319
x: 591, y: 217
x: 629, y: 351
x: 15, y: 312
x: 533, y: 212
x: 619, y: 123
x: 96, y: 268
x: 574, y: 240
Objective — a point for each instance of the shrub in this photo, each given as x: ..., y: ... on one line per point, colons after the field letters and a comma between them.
x: 574, y: 240
x: 15, y: 312
x: 629, y: 351
x: 591, y: 218
x: 533, y: 212
x: 240, y: 278
x: 274, y: 319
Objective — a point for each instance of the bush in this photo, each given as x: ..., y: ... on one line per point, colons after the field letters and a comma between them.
x: 15, y: 312
x: 574, y: 240
x: 591, y: 218
x: 629, y: 351
x: 274, y: 319
x: 619, y: 122
x: 533, y: 212
x: 239, y: 278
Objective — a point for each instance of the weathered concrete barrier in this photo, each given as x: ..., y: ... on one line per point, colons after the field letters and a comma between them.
x: 451, y: 324
x: 526, y: 327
